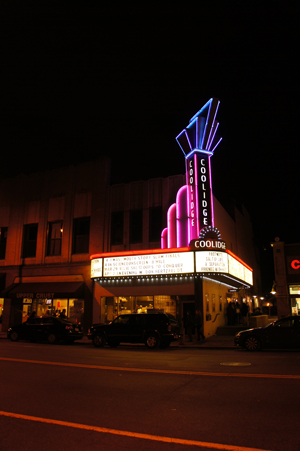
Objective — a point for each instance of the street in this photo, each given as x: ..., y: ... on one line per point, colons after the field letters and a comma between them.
x: 79, y: 397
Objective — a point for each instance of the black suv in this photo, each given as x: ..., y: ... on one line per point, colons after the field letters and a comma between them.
x: 153, y: 329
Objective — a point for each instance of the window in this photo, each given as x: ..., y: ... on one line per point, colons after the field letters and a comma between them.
x: 207, y: 301
x: 30, y: 239
x: 3, y: 237
x: 286, y: 323
x: 81, y: 235
x: 54, y: 238
x: 155, y: 223
x: 213, y: 298
x: 117, y: 224
x: 136, y: 226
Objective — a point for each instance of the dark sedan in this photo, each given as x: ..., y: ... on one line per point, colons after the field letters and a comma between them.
x: 283, y: 333
x: 49, y: 329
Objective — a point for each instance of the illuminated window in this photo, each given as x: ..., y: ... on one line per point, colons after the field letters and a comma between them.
x: 54, y: 238
x: 81, y: 235
x: 117, y: 225
x: 207, y: 301
x: 136, y: 226
x: 3, y: 237
x: 29, y: 240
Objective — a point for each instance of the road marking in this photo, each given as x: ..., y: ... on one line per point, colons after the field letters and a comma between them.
x: 156, y: 438
x: 142, y: 370
x: 235, y: 364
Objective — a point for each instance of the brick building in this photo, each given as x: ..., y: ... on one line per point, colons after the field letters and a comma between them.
x: 52, y: 222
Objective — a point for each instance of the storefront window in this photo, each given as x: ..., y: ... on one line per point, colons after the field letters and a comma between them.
x: 76, y: 310
x: 138, y: 304
x: 27, y: 309
x: 294, y: 289
x: 166, y: 304
x: 144, y: 304
x: 72, y: 308
x: 295, y: 306
x: 1, y: 308
x: 58, y: 305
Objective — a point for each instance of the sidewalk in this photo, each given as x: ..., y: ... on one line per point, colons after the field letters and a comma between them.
x: 213, y: 342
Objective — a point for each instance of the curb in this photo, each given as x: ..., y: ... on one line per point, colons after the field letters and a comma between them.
x: 208, y: 344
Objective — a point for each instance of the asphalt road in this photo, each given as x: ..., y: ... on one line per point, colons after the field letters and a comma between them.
x: 57, y: 397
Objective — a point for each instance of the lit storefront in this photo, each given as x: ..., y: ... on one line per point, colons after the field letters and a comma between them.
x: 170, y: 281
x: 47, y: 299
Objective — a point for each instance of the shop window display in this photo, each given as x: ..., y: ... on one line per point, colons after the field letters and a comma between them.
x: 138, y: 304
x: 72, y: 309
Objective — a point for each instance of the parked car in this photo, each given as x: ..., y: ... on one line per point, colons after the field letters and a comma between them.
x: 153, y: 329
x: 283, y: 333
x: 46, y: 328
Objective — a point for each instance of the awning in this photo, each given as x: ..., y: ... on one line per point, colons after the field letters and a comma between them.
x: 46, y: 290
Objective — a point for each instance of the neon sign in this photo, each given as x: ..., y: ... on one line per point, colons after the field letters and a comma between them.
x: 193, y: 209
x: 295, y: 264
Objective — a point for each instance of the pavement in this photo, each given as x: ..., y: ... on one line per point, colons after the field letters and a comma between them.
x: 212, y: 342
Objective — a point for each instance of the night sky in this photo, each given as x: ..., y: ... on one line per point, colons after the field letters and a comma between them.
x: 125, y: 80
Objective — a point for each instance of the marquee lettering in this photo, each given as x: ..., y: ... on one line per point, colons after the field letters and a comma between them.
x: 208, y: 244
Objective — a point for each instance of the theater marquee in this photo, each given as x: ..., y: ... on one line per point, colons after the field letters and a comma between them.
x: 178, y: 262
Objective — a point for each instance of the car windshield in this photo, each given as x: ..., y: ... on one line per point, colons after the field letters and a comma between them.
x: 271, y: 324
x: 121, y: 319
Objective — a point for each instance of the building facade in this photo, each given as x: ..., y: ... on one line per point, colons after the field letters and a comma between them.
x: 287, y: 277
x: 50, y: 222
x: 57, y: 228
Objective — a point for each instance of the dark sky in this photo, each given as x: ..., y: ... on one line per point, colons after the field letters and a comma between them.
x: 125, y: 80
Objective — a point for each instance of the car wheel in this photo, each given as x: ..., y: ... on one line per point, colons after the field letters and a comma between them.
x: 51, y: 338
x: 252, y: 343
x: 152, y: 341
x: 99, y: 340
x: 14, y: 336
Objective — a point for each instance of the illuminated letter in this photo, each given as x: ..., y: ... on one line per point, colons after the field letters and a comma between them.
x: 295, y: 264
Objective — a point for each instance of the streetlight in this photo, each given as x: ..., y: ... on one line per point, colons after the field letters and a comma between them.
x: 273, y: 290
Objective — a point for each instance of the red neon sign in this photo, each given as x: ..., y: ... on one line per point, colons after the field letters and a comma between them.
x: 295, y: 264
